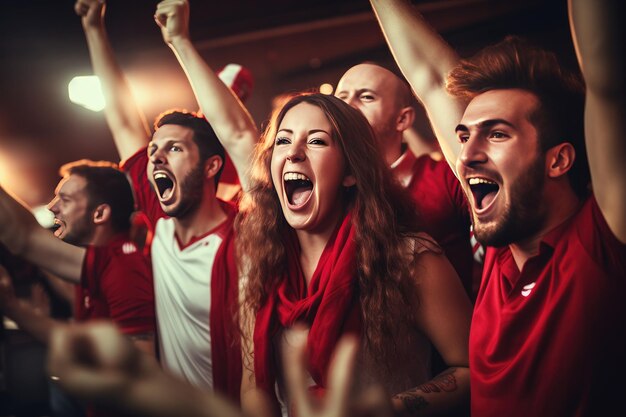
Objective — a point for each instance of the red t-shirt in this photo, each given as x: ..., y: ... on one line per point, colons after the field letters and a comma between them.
x: 550, y: 340
x: 442, y: 207
x: 116, y: 284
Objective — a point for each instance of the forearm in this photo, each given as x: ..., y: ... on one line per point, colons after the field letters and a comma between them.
x: 229, y: 118
x: 596, y: 31
x: 61, y: 287
x: 449, y: 392
x: 30, y: 320
x: 127, y: 123
x: 425, y: 60
x: 52, y: 254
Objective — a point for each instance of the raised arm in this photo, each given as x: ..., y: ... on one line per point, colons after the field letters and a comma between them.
x: 597, y: 27
x: 425, y: 60
x: 23, y: 236
x: 223, y: 110
x: 127, y: 123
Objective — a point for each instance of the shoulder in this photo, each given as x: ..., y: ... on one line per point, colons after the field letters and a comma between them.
x: 428, y: 260
x: 124, y: 256
x: 138, y: 160
x: 423, y: 243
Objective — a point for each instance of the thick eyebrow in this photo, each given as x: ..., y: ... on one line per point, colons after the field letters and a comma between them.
x: 485, y: 124
x: 318, y: 131
x: 309, y: 132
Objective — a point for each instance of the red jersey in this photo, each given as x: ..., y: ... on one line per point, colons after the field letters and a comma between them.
x: 549, y: 340
x: 442, y: 207
x: 116, y: 284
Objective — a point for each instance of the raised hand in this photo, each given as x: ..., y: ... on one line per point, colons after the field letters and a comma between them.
x: 172, y: 16
x: 94, y: 362
x: 91, y: 11
x: 338, y: 400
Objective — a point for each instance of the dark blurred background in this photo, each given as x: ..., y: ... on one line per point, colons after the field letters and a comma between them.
x: 287, y: 44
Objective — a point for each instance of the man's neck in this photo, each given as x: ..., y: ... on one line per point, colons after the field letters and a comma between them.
x: 563, y: 204
x: 102, y: 236
x: 392, y: 149
x: 207, y: 216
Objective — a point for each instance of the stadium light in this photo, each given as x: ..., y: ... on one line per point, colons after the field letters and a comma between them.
x: 86, y: 91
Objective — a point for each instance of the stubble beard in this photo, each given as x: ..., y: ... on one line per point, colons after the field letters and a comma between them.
x: 523, y: 216
x: 191, y: 191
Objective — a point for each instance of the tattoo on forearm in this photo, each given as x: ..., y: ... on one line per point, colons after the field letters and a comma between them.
x: 444, y: 382
x: 413, y: 399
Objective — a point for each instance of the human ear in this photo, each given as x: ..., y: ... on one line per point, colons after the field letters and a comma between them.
x: 102, y: 214
x: 560, y: 159
x: 212, y: 166
x: 406, y: 117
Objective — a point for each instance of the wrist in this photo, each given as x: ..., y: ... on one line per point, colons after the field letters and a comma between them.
x: 89, y: 26
x: 179, y: 41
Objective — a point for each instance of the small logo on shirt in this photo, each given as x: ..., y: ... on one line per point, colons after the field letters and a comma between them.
x: 129, y: 248
x: 527, y: 289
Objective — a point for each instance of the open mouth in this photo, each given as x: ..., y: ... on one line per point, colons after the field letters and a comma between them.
x: 298, y: 188
x: 165, y: 185
x: 484, y: 192
x: 58, y: 227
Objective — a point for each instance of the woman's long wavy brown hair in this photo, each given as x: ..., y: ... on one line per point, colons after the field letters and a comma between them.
x: 383, y: 217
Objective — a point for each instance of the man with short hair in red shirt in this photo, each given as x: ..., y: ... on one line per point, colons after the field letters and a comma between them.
x: 92, y: 249
x: 547, y: 335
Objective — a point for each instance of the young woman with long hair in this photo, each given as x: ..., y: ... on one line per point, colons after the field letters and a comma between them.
x: 327, y: 238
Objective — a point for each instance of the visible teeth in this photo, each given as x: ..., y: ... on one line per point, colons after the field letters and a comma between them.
x: 475, y: 181
x: 295, y: 176
x: 159, y: 175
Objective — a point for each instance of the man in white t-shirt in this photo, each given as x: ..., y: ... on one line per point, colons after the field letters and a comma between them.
x: 175, y: 173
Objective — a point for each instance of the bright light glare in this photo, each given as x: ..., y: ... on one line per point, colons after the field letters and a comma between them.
x: 326, y: 89
x: 87, y: 92
x: 44, y: 216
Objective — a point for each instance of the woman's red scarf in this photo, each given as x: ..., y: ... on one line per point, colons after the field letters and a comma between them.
x: 329, y: 307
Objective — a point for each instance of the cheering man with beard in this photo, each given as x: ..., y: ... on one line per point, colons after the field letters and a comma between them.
x: 175, y: 175
x: 92, y: 209
x: 547, y: 334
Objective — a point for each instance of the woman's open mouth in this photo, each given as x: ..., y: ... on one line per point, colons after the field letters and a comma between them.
x: 298, y: 188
